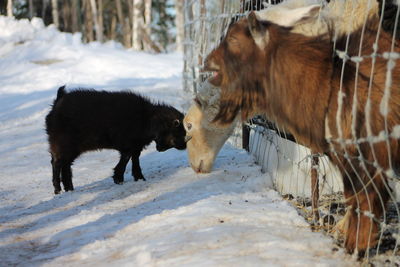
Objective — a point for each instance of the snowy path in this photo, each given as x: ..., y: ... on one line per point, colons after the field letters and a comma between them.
x: 176, y: 218
x: 230, y: 217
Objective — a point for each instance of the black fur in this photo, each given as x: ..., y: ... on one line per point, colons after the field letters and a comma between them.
x: 85, y: 120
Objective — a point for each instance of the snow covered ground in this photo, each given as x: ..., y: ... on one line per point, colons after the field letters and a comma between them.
x: 230, y: 217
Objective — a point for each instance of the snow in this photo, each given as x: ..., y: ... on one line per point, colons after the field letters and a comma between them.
x: 230, y: 217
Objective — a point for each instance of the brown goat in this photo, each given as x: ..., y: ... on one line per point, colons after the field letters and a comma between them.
x: 299, y: 83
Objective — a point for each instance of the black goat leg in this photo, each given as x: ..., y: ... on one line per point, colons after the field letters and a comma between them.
x: 66, y: 175
x: 119, y: 169
x: 136, y: 170
x: 56, y: 166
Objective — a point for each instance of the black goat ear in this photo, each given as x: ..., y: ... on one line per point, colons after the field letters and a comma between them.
x: 177, y: 123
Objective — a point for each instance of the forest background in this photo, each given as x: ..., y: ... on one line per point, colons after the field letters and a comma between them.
x: 145, y: 25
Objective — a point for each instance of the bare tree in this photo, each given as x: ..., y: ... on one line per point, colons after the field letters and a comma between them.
x: 9, y: 8
x: 125, y: 24
x: 113, y: 26
x: 30, y: 6
x: 66, y: 16
x: 45, y: 3
x: 147, y: 16
x: 97, y: 27
x: 54, y: 8
x: 179, y: 22
x: 147, y: 25
x: 137, y: 24
x: 129, y: 21
x: 100, y: 19
x: 75, y: 16
x: 88, y: 22
x: 130, y: 11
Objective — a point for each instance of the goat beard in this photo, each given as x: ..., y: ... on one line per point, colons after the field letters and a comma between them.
x: 243, y: 95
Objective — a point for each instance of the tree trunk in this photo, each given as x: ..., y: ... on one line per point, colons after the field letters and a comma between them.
x: 100, y: 19
x: 137, y: 24
x: 54, y: 4
x: 98, y: 29
x: 31, y: 9
x: 129, y: 21
x: 147, y: 23
x: 130, y: 13
x: 127, y: 33
x: 9, y: 8
x: 147, y: 16
x: 113, y: 27
x: 66, y: 17
x: 179, y: 23
x: 125, y: 26
x: 75, y: 16
x: 45, y: 3
x: 88, y: 22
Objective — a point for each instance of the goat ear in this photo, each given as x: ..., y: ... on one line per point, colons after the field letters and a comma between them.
x: 257, y: 30
x: 293, y: 17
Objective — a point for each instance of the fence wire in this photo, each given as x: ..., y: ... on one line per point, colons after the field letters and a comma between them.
x: 310, y: 180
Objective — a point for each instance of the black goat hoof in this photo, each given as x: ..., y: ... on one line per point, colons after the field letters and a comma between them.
x: 68, y: 188
x: 56, y: 191
x: 139, y: 178
x: 118, y: 180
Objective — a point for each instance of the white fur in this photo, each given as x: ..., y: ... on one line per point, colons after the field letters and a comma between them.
x: 286, y: 15
x: 343, y: 16
x: 349, y: 15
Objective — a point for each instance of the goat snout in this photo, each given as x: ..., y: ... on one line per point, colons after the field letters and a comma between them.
x: 200, y: 168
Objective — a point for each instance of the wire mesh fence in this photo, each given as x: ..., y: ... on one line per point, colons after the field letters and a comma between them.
x: 355, y: 183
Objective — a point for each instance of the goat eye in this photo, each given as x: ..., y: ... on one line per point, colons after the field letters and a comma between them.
x: 177, y: 123
x: 232, y: 39
x: 234, y: 45
x: 189, y: 126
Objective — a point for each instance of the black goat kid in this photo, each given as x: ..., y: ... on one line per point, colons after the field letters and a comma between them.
x: 85, y: 120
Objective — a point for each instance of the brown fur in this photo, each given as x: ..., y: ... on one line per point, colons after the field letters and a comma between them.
x: 295, y: 81
x: 248, y: 71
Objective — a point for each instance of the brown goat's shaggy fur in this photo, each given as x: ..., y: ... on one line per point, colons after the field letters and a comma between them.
x: 296, y: 82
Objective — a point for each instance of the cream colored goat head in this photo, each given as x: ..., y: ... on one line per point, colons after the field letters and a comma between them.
x: 205, y: 137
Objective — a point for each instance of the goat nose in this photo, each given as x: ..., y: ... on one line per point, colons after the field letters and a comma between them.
x: 201, y: 166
